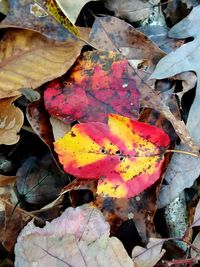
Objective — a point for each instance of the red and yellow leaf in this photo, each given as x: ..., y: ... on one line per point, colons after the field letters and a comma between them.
x: 98, y: 84
x: 125, y: 155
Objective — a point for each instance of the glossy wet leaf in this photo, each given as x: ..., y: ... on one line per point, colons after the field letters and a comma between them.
x: 98, y: 84
x: 125, y: 155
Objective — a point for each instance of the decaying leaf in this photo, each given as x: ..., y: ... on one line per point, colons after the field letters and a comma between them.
x: 27, y: 14
x: 11, y: 223
x: 33, y: 185
x: 125, y: 155
x: 11, y: 121
x: 132, y: 10
x: 183, y: 59
x: 72, y: 8
x: 79, y: 237
x: 112, y: 33
x: 28, y: 60
x: 98, y: 84
x: 151, y: 255
x: 54, y: 10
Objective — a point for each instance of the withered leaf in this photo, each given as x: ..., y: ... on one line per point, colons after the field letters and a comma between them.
x: 28, y: 60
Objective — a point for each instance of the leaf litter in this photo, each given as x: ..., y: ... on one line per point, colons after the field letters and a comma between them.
x: 81, y: 82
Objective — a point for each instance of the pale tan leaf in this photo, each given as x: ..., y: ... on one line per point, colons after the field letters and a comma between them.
x: 28, y: 60
x: 59, y: 128
x: 79, y: 237
x: 148, y: 257
x: 72, y: 8
x: 11, y: 121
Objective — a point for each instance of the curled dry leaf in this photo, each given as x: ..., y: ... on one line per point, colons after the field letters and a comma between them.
x: 125, y: 155
x: 148, y: 257
x: 11, y: 121
x: 28, y: 60
x: 79, y: 237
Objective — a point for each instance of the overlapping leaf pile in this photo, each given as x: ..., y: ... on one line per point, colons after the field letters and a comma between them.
x: 106, y: 127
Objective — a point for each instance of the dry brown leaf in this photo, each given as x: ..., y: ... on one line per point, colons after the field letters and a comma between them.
x: 79, y: 237
x: 27, y: 14
x: 132, y: 10
x: 11, y: 121
x: 28, y: 59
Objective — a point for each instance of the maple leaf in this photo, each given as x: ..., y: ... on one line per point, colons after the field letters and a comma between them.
x: 125, y: 155
x: 98, y: 84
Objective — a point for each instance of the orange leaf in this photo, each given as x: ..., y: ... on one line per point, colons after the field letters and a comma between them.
x: 125, y: 155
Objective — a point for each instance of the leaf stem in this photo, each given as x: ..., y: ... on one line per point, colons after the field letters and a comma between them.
x: 183, y: 152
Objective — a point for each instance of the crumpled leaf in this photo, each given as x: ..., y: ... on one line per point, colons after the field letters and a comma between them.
x: 148, y: 257
x: 125, y: 155
x: 72, y: 8
x: 183, y: 59
x: 27, y: 14
x: 11, y: 121
x: 79, y: 237
x: 98, y: 84
x: 131, y: 10
x: 28, y: 60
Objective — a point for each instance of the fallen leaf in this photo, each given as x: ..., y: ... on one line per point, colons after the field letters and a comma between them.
x: 28, y: 60
x: 59, y: 128
x: 148, y: 257
x: 11, y: 121
x: 33, y: 185
x: 98, y: 84
x: 196, y: 219
x: 131, y: 10
x: 110, y: 33
x: 131, y: 152
x: 196, y: 244
x: 27, y: 14
x: 71, y: 8
x: 106, y: 35
x: 11, y: 223
x: 79, y: 237
x: 182, y: 60
x: 39, y: 121
x: 54, y: 10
